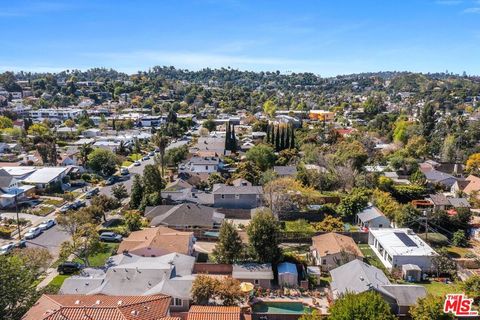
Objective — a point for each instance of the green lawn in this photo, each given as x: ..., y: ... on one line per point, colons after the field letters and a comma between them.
x: 457, y: 252
x: 371, y: 258
x: 439, y: 288
x: 126, y: 163
x: 135, y: 156
x: 99, y: 259
x: 54, y: 286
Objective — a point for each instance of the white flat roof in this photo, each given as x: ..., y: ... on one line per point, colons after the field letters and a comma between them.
x: 44, y: 175
x: 19, y: 171
x: 401, y: 242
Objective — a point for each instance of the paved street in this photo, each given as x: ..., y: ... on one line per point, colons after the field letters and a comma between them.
x: 50, y: 239
x: 107, y: 190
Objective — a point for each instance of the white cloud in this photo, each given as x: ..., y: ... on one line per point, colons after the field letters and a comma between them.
x: 472, y: 10
x: 449, y: 2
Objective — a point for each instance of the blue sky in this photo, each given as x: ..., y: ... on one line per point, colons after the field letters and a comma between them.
x: 325, y: 37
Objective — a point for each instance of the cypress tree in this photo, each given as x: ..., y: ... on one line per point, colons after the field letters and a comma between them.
x: 277, y: 139
x: 292, y: 143
x: 233, y: 140
x: 282, y: 139
x: 272, y: 136
x: 227, y: 136
x: 268, y: 133
x: 287, y: 138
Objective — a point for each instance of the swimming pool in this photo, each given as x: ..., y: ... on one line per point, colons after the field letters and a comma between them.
x: 281, y: 308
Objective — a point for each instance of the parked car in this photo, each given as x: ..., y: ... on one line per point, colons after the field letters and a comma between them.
x: 21, y: 244
x: 6, y: 249
x: 151, y: 153
x: 78, y: 204
x: 146, y: 158
x: 90, y: 194
x: 110, y: 181
x: 33, y: 233
x: 66, y: 208
x: 78, y: 183
x: 137, y: 163
x: 124, y: 171
x: 69, y: 267
x: 47, y: 224
x: 110, y: 237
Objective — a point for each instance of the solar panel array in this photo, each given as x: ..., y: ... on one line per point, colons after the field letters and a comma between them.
x: 405, y: 239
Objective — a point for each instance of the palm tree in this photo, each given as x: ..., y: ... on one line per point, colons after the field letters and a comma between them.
x: 161, y: 142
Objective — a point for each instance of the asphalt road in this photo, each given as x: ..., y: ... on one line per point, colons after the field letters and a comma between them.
x: 50, y: 239
x: 107, y: 190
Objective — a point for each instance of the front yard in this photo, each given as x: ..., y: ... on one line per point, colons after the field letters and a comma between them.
x: 99, y: 259
x: 371, y: 258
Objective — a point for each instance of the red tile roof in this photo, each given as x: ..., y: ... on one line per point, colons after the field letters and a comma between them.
x: 214, y: 313
x: 99, y: 307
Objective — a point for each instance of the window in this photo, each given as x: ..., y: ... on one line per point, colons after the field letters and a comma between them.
x: 206, y: 168
x: 176, y: 302
x: 223, y: 196
x: 324, y: 261
x: 256, y: 282
x: 237, y: 196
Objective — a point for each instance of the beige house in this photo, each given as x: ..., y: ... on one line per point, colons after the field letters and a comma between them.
x: 331, y: 250
x: 155, y: 242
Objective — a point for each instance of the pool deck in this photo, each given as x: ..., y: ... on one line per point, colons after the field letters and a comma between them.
x: 321, y: 304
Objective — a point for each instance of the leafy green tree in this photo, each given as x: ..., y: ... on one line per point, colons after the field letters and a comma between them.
x: 471, y: 287
x: 161, y: 142
x: 209, y: 124
x: 262, y: 155
x: 228, y: 290
x: 102, y: 161
x: 152, y: 179
x: 263, y: 237
x: 459, y: 239
x: 133, y: 221
x: 366, y: 305
x: 119, y: 191
x: 38, y: 129
x: 428, y: 120
x: 249, y: 171
x: 353, y: 203
x: 330, y: 224
x: 229, y: 245
x: 5, y: 122
x: 176, y: 155
x: 215, y: 178
x: 17, y: 289
x: 137, y: 192
x: 428, y: 308
x: 269, y: 108
x: 85, y: 150
x: 203, y: 288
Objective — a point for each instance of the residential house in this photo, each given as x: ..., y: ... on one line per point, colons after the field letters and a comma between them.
x: 184, y: 215
x: 200, y: 165
x: 214, y: 313
x: 439, y: 201
x: 41, y: 178
x: 331, y: 250
x: 233, y: 197
x: 372, y: 217
x: 358, y: 276
x: 397, y: 247
x: 91, y: 133
x: 260, y: 275
x: 209, y: 146
x: 11, y: 188
x: 442, y: 179
x: 473, y: 186
x: 100, y: 307
x: 285, y: 171
x: 133, y: 275
x: 155, y: 242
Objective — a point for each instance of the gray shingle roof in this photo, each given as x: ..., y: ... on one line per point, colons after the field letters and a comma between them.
x: 369, y: 214
x: 224, y: 189
x: 285, y: 170
x: 439, y: 199
x: 252, y: 271
x: 357, y: 276
x: 406, y: 295
x: 459, y: 202
x: 185, y: 214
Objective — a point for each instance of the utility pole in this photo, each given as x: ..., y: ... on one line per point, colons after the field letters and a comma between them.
x: 425, y: 217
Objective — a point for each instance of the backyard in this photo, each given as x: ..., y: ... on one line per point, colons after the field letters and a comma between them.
x: 371, y: 258
x: 99, y: 259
